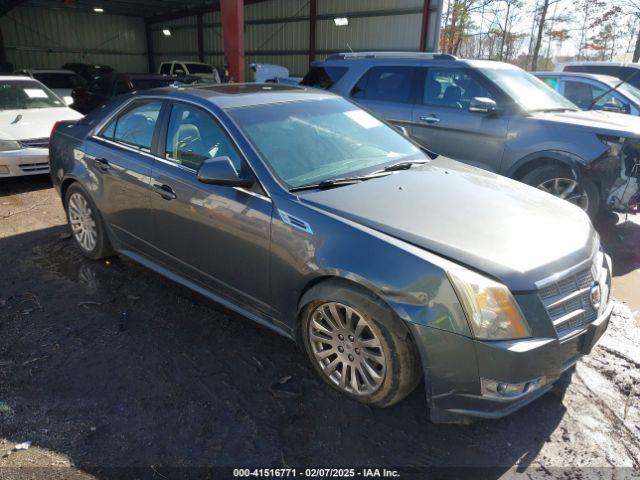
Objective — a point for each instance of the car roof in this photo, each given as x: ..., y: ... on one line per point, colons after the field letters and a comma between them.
x: 61, y: 71
x: 594, y: 63
x: 607, y: 79
x: 140, y: 76
x: 234, y: 95
x: 17, y: 77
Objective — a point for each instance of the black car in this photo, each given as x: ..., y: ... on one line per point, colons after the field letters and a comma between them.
x: 88, y: 71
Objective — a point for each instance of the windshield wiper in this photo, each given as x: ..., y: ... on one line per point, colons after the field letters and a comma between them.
x: 337, y: 182
x: 556, y: 109
x: 404, y: 165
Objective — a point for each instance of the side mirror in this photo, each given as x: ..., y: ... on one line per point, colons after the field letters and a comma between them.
x: 220, y: 171
x: 482, y: 105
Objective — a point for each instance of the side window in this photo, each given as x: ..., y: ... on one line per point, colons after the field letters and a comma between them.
x: 452, y: 88
x: 194, y: 136
x: 101, y: 86
x: 323, y: 77
x: 609, y: 100
x: 165, y: 69
x: 387, y: 84
x: 134, y: 127
x: 551, y: 81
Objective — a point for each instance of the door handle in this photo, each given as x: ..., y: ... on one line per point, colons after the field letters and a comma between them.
x: 165, y: 191
x: 103, y: 164
x: 429, y: 119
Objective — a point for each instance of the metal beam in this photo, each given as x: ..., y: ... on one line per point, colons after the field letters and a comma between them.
x: 150, y: 53
x: 313, y: 13
x: 200, y: 37
x: 424, y: 30
x: 232, y: 14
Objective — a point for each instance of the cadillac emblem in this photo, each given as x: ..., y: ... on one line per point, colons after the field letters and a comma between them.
x: 596, y: 296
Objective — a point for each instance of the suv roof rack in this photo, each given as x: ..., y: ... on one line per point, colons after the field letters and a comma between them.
x: 424, y: 55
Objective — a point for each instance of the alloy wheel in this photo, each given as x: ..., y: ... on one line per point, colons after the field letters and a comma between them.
x: 346, y: 348
x: 83, y: 225
x: 567, y: 189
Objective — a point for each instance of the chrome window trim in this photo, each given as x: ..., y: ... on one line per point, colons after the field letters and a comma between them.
x: 103, y: 124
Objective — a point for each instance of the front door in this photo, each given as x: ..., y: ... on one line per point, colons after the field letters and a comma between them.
x: 218, y: 236
x: 119, y: 156
x: 443, y: 123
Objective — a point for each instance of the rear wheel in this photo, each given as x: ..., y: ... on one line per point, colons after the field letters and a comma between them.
x: 560, y: 182
x: 354, y: 347
x: 86, y: 224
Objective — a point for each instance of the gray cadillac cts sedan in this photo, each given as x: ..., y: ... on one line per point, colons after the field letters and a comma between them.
x: 301, y: 211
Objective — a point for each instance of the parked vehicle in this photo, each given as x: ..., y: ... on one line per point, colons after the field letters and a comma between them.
x: 88, y: 71
x: 594, y: 92
x: 624, y: 71
x: 107, y: 86
x: 310, y: 216
x: 181, y: 68
x: 28, y: 111
x: 61, y: 82
x: 494, y: 116
x: 268, y: 73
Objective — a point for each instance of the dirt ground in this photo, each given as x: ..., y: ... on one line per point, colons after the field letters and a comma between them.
x: 105, y: 366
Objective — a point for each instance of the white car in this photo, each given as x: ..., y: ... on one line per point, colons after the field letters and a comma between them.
x: 61, y: 82
x: 28, y: 112
x: 196, y: 69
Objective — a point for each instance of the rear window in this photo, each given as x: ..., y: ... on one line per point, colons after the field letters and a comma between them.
x: 146, y: 84
x: 196, y: 68
x: 323, y: 77
x: 165, y: 69
x: 59, y: 80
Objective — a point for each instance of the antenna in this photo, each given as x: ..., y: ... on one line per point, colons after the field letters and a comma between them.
x: 349, y: 47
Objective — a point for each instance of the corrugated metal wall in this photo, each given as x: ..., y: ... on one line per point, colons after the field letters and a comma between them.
x: 374, y: 25
x: 47, y: 38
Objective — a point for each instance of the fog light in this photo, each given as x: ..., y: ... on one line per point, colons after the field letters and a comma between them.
x: 4, y: 170
x: 504, y: 390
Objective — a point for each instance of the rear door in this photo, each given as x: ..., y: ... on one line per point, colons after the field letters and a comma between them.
x: 388, y: 92
x: 443, y: 123
x: 120, y: 157
x: 218, y: 236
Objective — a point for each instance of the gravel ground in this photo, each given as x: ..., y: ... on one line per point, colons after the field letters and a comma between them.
x: 106, y: 366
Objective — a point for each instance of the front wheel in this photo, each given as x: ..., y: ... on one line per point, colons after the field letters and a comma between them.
x: 356, y: 349
x: 560, y: 182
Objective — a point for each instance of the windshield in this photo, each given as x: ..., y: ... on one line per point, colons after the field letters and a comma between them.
x: 60, y: 80
x: 307, y: 142
x: 526, y: 90
x: 631, y: 92
x: 25, y: 94
x: 199, y: 68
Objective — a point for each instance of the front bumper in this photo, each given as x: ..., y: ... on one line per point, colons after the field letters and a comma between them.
x: 26, y: 161
x: 453, y: 377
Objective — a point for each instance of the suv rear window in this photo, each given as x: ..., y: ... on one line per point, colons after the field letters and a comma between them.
x: 323, y: 77
x: 388, y: 84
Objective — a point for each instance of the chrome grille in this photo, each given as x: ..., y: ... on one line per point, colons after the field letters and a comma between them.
x: 35, y: 143
x: 568, y: 299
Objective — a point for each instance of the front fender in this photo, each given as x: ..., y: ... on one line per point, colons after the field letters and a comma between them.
x: 573, y: 161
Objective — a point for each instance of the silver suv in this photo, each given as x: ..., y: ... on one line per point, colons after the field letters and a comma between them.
x: 497, y: 117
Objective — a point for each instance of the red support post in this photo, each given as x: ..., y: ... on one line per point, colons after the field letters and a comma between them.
x: 425, y: 25
x: 200, y: 37
x: 313, y: 13
x: 232, y: 13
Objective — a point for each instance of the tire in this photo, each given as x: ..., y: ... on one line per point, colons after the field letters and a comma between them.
x: 83, y: 216
x: 555, y: 178
x: 379, y: 343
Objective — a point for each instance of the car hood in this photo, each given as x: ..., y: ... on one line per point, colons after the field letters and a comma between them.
x: 604, y: 123
x: 503, y: 228
x: 33, y: 122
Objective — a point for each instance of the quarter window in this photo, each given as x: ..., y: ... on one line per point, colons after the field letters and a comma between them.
x: 388, y: 84
x: 135, y: 126
x: 194, y: 136
x: 323, y: 77
x: 453, y: 88
x: 165, y: 69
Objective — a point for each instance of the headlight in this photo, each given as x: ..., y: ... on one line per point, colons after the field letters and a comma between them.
x: 615, y: 144
x: 490, y: 307
x: 6, y: 145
